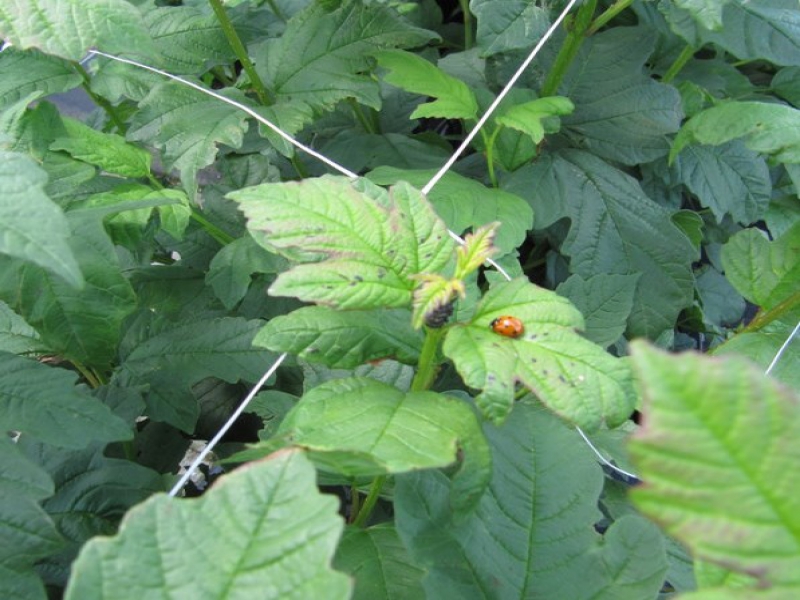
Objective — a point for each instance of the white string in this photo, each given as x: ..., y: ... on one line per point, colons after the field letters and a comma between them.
x: 224, y: 429
x: 493, y: 106
x: 782, y: 349
x: 240, y: 106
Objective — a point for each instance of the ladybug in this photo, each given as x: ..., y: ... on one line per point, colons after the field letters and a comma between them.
x: 507, y: 326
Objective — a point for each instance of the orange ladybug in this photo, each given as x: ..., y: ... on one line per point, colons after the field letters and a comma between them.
x: 508, y: 326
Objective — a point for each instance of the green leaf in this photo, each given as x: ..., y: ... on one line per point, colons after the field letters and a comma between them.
x: 764, y: 272
x: 468, y: 204
x: 391, y: 431
x: 505, y: 25
x: 265, y: 531
x: 532, y: 534
x: 16, y: 336
x: 573, y: 377
x: 771, y: 129
x: 762, y: 346
x: 752, y: 30
x: 40, y: 233
x: 615, y: 228
x: 28, y: 72
x: 91, y: 494
x: 364, y: 151
x: 718, y: 451
x: 361, y: 244
x: 108, y: 151
x: 722, y: 306
x: 28, y: 533
x: 69, y: 30
x: 379, y: 563
x: 187, y: 126
x: 707, y: 13
x: 44, y: 402
x: 621, y: 113
x: 323, y: 56
x: 527, y: 117
x: 343, y: 339
x: 605, y: 302
x: 415, y: 74
x: 786, y: 84
x: 82, y: 325
x: 231, y: 269
x: 729, y: 179
x: 175, y: 356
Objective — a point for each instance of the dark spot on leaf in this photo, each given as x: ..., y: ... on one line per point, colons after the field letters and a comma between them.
x: 381, y: 273
x: 533, y: 360
x: 545, y: 372
x: 358, y: 278
x: 562, y: 379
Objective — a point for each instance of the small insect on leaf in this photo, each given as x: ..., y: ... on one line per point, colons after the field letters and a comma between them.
x: 507, y: 326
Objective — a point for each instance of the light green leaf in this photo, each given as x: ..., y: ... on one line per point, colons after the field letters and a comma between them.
x: 27, y: 72
x: 415, y: 74
x: 765, y: 272
x: 772, y: 129
x: 44, y: 402
x: 707, y: 13
x: 176, y: 356
x: 40, y: 233
x: 762, y: 346
x: 718, y: 451
x: 527, y: 117
x: 187, y: 126
x: 505, y: 25
x: 361, y: 244
x: 108, y: 151
x: 621, y: 113
x: 379, y: 563
x: 265, y: 531
x: 752, y: 30
x: 729, y: 179
x: 343, y: 339
x: 532, y: 534
x: 468, y: 204
x: 69, y: 29
x: 605, y: 302
x: 615, y: 228
x: 390, y: 431
x: 323, y: 56
x: 573, y: 377
x: 28, y: 533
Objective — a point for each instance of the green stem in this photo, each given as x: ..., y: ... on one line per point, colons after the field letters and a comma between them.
x: 299, y: 167
x: 112, y: 113
x: 428, y: 364
x: 367, y: 124
x: 608, y: 14
x: 87, y: 373
x: 678, y: 64
x: 215, y: 232
x: 355, y: 506
x: 489, y: 143
x: 569, y: 49
x: 370, y: 502
x: 241, y: 53
x: 467, y: 24
x: 765, y: 318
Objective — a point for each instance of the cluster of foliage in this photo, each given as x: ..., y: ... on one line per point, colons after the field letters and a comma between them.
x: 640, y: 181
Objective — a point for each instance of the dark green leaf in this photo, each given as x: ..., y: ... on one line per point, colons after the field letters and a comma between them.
x: 506, y: 25
x: 27, y: 72
x: 537, y: 517
x: 44, y: 402
x: 16, y: 336
x: 266, y: 532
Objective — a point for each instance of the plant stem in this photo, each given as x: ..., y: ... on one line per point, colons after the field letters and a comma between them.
x: 428, y: 365
x: 241, y: 53
x: 678, y: 64
x: 488, y: 141
x: 355, y: 506
x: 109, y: 109
x: 367, y: 124
x: 611, y: 12
x: 87, y: 374
x: 215, y: 232
x: 467, y: 24
x: 370, y: 502
x: 569, y: 48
